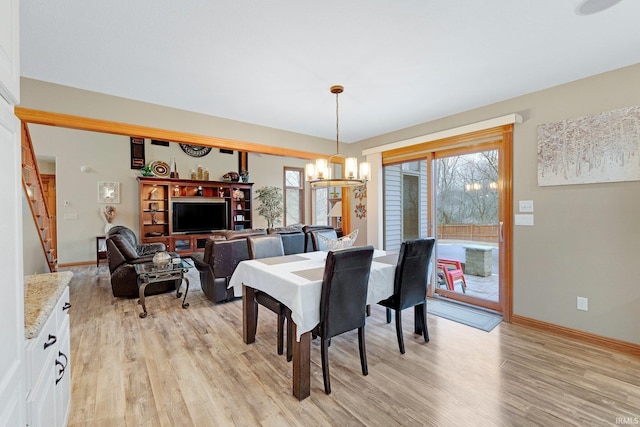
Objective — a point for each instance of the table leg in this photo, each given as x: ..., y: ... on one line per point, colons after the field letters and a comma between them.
x: 248, y: 314
x: 301, y: 365
x: 141, y: 300
x: 185, y: 304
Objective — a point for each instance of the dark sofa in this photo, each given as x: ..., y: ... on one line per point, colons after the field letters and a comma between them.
x: 292, y: 238
x: 224, y: 250
x: 222, y: 253
x: 124, y: 253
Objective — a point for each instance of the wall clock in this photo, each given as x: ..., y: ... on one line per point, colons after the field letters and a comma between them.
x: 195, y: 150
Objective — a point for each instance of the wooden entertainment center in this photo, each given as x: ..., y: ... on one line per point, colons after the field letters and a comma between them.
x: 157, y: 198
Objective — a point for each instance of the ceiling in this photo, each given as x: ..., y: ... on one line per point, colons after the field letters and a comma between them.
x: 272, y: 62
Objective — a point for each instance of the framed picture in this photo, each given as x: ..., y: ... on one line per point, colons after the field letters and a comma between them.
x: 108, y: 192
x: 137, y: 152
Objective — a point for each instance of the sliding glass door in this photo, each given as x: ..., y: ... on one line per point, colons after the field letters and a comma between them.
x: 468, y: 224
x: 459, y: 194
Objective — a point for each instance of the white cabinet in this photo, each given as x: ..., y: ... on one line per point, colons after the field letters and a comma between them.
x: 49, y: 369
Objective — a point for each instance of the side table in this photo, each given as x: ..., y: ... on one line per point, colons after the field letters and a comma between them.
x: 101, y: 249
x: 149, y: 272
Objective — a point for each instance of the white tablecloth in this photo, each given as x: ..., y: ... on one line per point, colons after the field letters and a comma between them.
x: 296, y: 281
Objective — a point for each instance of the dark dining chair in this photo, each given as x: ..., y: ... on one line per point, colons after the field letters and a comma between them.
x: 266, y: 247
x: 318, y: 244
x: 343, y: 300
x: 410, y: 286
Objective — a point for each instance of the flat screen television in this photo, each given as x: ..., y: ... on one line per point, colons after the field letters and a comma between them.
x: 195, y: 216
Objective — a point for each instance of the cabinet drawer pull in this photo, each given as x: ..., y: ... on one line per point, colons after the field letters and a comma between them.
x: 66, y: 359
x: 51, y: 341
x: 66, y: 306
x: 62, y: 367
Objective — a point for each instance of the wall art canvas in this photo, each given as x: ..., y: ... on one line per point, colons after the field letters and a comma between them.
x: 599, y: 148
x: 108, y: 192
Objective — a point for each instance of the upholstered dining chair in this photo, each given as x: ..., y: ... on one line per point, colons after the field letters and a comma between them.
x: 266, y: 247
x: 410, y: 285
x: 343, y: 300
x: 320, y: 245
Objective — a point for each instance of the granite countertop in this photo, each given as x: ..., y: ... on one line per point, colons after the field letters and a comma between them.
x: 41, y: 292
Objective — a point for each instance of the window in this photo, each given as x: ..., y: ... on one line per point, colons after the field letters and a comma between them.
x: 293, y: 196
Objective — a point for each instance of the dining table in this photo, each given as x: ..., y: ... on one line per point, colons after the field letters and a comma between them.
x: 296, y: 281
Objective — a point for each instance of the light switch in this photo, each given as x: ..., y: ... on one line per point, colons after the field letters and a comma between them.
x: 526, y: 206
x: 526, y: 219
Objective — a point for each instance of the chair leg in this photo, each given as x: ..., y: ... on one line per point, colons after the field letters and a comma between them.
x: 368, y: 312
x: 417, y: 323
x: 280, y: 333
x: 363, y: 351
x: 422, y: 317
x: 388, y: 315
x: 324, y: 354
x: 289, y: 335
x: 398, y: 314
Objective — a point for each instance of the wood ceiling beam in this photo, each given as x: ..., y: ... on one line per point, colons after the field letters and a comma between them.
x: 104, y: 126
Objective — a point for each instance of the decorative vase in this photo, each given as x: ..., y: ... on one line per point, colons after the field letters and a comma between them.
x: 161, y: 259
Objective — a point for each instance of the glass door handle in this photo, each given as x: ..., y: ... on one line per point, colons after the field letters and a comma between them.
x: 501, y: 232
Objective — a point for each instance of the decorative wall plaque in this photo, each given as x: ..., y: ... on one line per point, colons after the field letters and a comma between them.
x: 108, y: 192
x: 137, y: 152
x: 195, y: 150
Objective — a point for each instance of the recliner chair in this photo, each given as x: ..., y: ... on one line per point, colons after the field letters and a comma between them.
x: 123, y: 253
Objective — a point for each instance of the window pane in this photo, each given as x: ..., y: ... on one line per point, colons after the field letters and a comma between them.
x: 292, y: 179
x: 320, y: 203
x: 294, y: 196
x: 293, y: 214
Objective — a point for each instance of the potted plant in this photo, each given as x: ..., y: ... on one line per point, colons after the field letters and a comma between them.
x: 146, y: 170
x: 270, y: 208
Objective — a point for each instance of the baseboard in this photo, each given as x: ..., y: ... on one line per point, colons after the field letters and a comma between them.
x: 77, y: 264
x: 599, y: 340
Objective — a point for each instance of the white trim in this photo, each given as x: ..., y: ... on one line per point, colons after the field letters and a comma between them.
x: 460, y: 130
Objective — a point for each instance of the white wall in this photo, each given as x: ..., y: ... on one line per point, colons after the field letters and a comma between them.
x: 585, y: 238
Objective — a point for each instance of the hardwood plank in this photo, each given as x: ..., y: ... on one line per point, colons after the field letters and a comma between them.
x: 191, y: 368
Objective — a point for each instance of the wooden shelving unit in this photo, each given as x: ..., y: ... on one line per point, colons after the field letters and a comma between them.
x: 157, y: 195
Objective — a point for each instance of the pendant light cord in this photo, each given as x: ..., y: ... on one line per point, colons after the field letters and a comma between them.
x: 337, y: 124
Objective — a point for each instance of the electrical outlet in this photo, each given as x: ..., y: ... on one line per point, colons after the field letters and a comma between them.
x: 583, y: 304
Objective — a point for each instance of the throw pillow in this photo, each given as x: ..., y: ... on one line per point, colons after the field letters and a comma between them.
x: 341, y: 243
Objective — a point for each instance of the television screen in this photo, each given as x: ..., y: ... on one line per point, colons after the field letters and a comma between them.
x: 199, y: 216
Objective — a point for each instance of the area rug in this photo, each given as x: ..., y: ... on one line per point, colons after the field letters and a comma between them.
x: 464, y: 314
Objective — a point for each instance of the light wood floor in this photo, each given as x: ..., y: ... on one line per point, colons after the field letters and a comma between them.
x: 190, y: 368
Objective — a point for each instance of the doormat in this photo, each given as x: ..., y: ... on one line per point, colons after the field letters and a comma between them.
x: 464, y: 314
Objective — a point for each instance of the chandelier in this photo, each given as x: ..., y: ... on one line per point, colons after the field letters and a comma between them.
x: 319, y: 174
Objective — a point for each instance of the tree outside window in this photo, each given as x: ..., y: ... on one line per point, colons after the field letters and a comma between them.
x: 293, y: 195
